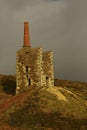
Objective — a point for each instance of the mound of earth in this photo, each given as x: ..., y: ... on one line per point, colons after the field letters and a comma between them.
x: 57, y: 99
x: 51, y: 107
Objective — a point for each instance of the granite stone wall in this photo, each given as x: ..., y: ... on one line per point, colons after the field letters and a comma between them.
x: 48, y: 68
x: 34, y: 68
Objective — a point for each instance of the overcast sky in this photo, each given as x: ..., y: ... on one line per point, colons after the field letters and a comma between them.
x: 58, y: 25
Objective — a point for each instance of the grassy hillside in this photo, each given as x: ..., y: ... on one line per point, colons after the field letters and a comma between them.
x: 79, y: 88
x: 63, y: 107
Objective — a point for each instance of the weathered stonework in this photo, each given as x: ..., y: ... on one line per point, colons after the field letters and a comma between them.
x: 34, y: 68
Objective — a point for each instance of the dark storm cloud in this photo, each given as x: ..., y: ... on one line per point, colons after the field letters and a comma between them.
x: 59, y: 25
x: 17, y: 4
x: 51, y: 0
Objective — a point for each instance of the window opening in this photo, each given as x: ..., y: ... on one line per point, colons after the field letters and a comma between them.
x: 47, y: 77
x: 27, y: 52
x: 27, y: 76
x: 26, y: 68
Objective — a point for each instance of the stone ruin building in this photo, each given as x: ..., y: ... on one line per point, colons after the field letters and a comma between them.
x: 34, y: 67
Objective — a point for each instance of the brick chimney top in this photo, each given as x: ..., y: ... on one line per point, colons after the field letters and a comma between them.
x: 26, y: 35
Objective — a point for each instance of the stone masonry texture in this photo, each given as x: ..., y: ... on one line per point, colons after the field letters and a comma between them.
x: 34, y: 67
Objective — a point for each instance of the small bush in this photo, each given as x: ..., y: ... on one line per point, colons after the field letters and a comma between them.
x: 9, y: 86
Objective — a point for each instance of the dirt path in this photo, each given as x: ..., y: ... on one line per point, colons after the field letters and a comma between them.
x: 15, y: 100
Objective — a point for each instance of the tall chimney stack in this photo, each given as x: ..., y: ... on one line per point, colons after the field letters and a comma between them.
x: 26, y: 35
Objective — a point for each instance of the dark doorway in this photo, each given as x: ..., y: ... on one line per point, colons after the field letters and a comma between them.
x: 29, y: 81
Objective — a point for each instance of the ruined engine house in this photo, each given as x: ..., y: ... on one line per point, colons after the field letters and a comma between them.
x: 34, y: 67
